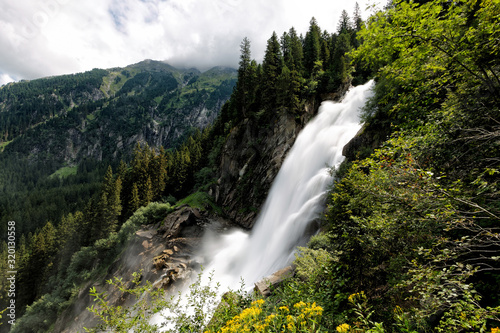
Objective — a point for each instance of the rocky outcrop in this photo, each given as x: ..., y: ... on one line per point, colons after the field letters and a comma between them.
x: 364, y: 142
x: 251, y: 159
x: 265, y: 286
x: 163, y: 253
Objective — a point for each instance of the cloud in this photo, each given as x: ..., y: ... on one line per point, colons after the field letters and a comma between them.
x: 52, y: 37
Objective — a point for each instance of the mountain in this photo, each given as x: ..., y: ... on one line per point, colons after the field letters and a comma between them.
x: 63, y: 131
x: 102, y: 113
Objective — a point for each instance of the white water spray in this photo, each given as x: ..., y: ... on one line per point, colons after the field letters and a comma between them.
x: 295, y: 200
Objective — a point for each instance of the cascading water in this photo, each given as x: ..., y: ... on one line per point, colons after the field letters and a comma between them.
x: 295, y: 200
x: 296, y: 197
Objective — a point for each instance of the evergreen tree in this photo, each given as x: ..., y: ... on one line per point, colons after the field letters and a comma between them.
x: 312, y: 47
x: 297, y: 52
x: 286, y: 49
x: 111, y: 203
x: 244, y: 84
x: 358, y: 21
x: 344, y: 25
x: 135, y: 201
x: 148, y: 192
x: 271, y: 67
x: 288, y: 89
x: 341, y: 69
x: 159, y: 174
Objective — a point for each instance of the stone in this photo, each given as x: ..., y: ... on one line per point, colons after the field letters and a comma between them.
x: 145, y: 233
x: 181, y: 218
x: 265, y: 285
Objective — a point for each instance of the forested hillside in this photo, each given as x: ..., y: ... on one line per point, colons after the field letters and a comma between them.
x: 59, y: 134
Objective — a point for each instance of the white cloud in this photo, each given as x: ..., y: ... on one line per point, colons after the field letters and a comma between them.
x: 4, y: 79
x: 51, y: 37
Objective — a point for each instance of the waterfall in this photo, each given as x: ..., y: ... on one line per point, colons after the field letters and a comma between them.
x: 295, y: 200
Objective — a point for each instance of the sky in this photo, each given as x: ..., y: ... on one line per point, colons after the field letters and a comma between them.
x: 40, y: 38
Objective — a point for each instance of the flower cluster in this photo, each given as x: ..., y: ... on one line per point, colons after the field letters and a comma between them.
x: 344, y: 328
x: 302, y: 317
x: 357, y: 297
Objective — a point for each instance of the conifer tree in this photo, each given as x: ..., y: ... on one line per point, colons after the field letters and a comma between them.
x: 110, y: 203
x: 297, y: 52
x: 271, y: 67
x: 148, y: 192
x: 244, y: 84
x: 358, y: 21
x: 344, y: 25
x: 312, y: 47
x: 135, y: 201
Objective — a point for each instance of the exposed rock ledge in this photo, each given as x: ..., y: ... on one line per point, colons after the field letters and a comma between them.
x: 163, y: 252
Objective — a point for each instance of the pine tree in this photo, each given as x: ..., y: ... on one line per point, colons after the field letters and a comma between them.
x: 272, y: 67
x: 135, y: 201
x: 288, y: 89
x: 111, y: 202
x: 244, y: 84
x: 297, y: 52
x: 148, y: 193
x: 358, y: 21
x: 312, y: 47
x: 341, y: 66
x: 344, y: 25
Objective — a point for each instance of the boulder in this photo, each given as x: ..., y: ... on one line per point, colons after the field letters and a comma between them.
x: 181, y: 218
x: 265, y: 285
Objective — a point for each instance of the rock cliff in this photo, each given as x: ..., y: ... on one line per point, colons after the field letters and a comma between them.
x: 251, y: 159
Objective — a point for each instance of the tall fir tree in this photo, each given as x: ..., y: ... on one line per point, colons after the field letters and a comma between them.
x: 297, y: 51
x: 244, y: 84
x: 312, y: 47
x: 271, y: 67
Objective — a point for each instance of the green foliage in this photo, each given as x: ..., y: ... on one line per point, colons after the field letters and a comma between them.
x: 116, y: 103
x: 65, y: 172
x: 76, y: 120
x: 302, y: 317
x: 154, y: 309
x: 85, y: 263
x: 201, y: 201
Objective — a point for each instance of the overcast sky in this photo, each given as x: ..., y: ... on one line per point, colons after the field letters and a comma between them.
x: 40, y: 38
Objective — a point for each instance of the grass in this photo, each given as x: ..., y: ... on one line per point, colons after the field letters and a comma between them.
x: 4, y: 144
x: 201, y: 201
x: 64, y: 172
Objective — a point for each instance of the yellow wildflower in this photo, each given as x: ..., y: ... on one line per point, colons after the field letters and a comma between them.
x: 284, y: 308
x: 495, y: 330
x: 258, y: 302
x: 344, y: 328
x: 299, y: 305
x: 357, y: 296
x: 270, y: 318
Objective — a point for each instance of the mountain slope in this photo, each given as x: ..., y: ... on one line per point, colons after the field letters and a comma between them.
x: 63, y: 131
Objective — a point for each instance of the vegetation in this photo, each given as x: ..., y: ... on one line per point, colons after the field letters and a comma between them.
x: 420, y: 212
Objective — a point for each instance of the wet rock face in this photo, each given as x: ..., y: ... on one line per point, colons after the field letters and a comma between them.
x: 164, y: 254
x: 251, y: 159
x: 367, y: 139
